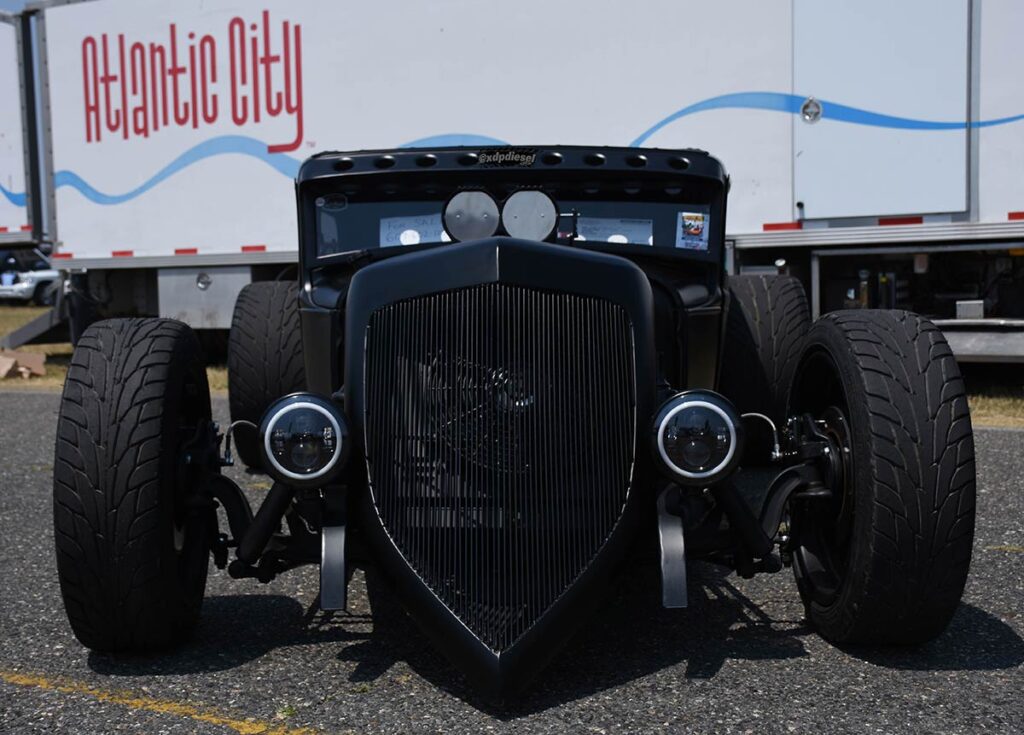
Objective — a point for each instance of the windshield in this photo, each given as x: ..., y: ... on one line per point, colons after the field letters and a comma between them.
x: 347, y: 222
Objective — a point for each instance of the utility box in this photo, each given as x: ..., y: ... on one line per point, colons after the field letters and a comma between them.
x: 203, y: 298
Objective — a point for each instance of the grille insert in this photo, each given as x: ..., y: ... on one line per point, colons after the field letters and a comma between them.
x: 500, y: 428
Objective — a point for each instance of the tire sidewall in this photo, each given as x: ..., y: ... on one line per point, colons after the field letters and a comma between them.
x: 189, y: 389
x: 836, y: 620
x: 129, y: 592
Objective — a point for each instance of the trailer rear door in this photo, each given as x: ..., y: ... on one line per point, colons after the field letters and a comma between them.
x: 891, y: 83
x: 15, y: 223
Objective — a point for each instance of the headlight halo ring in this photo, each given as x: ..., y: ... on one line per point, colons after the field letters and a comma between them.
x: 335, y: 419
x: 697, y: 399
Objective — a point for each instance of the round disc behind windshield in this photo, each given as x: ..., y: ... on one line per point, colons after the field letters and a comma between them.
x: 471, y: 215
x: 530, y: 215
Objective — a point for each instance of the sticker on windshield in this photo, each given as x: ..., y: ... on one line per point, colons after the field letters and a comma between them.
x: 692, y: 230
x: 615, y: 230
x: 424, y: 228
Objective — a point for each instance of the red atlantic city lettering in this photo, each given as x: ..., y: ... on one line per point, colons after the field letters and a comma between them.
x: 250, y: 73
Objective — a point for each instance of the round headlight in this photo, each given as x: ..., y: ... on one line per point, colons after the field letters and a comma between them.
x: 697, y: 437
x: 304, y: 440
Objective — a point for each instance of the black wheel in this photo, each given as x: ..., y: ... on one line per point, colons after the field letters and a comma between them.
x: 886, y: 558
x: 132, y: 545
x: 264, y: 357
x: 765, y: 328
x: 44, y: 295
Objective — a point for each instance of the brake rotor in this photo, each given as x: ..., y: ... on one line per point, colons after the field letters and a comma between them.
x: 839, y: 468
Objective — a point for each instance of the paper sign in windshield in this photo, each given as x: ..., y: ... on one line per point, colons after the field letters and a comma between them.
x: 616, y: 230
x: 692, y: 230
x: 396, y: 231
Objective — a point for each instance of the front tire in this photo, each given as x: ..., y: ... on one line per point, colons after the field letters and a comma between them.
x: 886, y: 560
x: 132, y: 550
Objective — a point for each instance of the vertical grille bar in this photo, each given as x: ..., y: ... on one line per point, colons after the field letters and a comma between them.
x: 500, y: 428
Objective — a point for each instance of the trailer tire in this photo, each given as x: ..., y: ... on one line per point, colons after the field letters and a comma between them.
x: 132, y: 547
x: 886, y: 559
x: 265, y: 358
x: 45, y: 294
x: 767, y: 321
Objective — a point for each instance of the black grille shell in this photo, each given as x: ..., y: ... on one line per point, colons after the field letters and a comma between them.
x: 499, y: 430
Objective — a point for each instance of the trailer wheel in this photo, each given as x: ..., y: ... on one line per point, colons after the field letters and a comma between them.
x: 767, y: 321
x: 264, y: 357
x: 885, y: 560
x: 45, y: 294
x: 132, y: 543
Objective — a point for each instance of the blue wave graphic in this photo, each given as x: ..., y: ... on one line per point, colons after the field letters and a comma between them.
x: 450, y: 139
x: 15, y: 198
x: 288, y: 166
x: 223, y: 145
x: 791, y: 103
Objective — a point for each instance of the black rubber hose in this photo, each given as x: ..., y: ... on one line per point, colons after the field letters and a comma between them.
x: 742, y: 520
x: 267, y: 521
x: 236, y: 507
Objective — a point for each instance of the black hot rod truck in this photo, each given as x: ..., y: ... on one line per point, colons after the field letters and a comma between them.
x: 519, y: 364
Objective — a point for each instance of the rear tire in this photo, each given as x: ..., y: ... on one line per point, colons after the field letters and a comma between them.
x: 765, y: 328
x: 886, y: 561
x: 265, y: 358
x: 132, y: 551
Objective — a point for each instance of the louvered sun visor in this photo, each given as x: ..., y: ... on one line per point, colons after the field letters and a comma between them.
x: 617, y: 200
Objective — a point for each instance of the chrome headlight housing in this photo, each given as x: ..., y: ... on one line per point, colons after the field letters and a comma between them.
x: 304, y: 440
x: 697, y: 437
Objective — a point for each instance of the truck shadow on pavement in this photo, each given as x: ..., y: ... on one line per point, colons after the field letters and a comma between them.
x: 974, y: 641
x: 630, y: 637
x: 233, y: 630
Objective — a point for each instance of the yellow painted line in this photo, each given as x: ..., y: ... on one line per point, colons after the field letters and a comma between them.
x: 1006, y: 547
x: 150, y: 704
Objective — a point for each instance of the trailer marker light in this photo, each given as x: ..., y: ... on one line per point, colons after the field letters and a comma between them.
x: 886, y: 221
x: 61, y: 256
x: 122, y: 253
x: 777, y: 226
x: 254, y: 248
x: 1015, y: 215
x: 26, y: 228
x: 3, y: 229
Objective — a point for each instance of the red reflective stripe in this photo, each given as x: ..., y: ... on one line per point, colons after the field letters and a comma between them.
x: 3, y: 229
x: 61, y: 255
x: 254, y: 248
x: 776, y: 226
x: 1015, y: 215
x: 122, y: 253
x: 900, y: 221
x: 186, y: 251
x: 26, y: 228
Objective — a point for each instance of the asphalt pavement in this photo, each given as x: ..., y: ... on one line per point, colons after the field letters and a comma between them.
x: 740, y: 659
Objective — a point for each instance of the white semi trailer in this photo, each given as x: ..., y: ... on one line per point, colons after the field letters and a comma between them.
x: 15, y: 192
x: 875, y: 148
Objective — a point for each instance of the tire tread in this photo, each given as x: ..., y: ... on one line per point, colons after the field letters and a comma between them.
x: 265, y: 358
x: 107, y: 479
x: 922, y: 479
